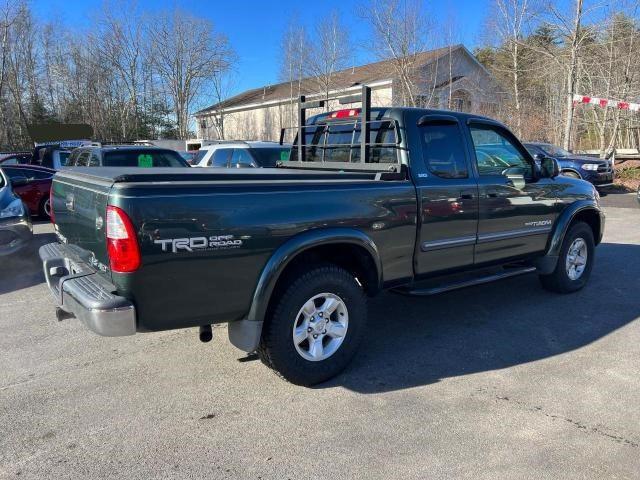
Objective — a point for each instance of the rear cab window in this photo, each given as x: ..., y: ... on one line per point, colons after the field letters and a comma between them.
x: 339, y: 142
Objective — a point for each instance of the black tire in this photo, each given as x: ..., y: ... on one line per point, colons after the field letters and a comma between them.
x: 559, y: 281
x: 572, y: 174
x: 277, y: 349
x: 42, y: 209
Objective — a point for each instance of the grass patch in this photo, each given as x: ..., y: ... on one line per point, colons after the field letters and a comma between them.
x: 629, y: 173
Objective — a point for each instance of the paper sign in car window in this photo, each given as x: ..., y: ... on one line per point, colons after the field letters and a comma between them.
x: 284, y: 155
x: 145, y: 160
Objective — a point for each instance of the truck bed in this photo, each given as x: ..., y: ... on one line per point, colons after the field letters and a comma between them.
x: 237, y: 220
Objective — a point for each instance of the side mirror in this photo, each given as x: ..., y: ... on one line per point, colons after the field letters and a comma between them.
x: 19, y: 181
x: 549, y: 167
x: 538, y: 157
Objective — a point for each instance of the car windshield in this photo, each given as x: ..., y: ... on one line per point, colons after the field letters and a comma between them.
x: 199, y: 156
x: 554, y: 151
x: 64, y: 157
x: 143, y: 158
x: 268, y: 157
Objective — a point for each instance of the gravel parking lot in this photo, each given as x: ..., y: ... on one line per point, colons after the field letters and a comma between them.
x: 498, y: 381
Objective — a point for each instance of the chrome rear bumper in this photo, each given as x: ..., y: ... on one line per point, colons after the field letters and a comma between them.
x: 81, y: 292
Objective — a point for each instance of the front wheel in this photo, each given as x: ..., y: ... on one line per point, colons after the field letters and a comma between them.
x: 315, y: 327
x: 574, y: 262
x: 571, y: 174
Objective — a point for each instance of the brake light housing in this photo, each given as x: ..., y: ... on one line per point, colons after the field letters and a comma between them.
x: 347, y: 113
x: 122, y: 243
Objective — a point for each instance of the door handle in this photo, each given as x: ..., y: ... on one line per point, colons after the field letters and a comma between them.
x: 466, y: 195
x: 492, y: 193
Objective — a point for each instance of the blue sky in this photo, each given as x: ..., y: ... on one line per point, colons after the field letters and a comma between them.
x: 255, y: 27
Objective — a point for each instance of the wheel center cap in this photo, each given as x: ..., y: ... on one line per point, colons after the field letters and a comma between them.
x: 318, y: 326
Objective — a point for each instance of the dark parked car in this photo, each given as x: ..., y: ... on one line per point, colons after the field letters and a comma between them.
x: 189, y: 156
x: 594, y: 170
x: 32, y: 184
x: 125, y: 156
x: 15, y: 223
x: 241, y: 154
x: 50, y: 156
x: 425, y: 202
x: 16, y: 159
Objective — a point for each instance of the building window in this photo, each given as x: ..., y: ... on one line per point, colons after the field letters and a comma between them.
x: 203, y: 124
x: 461, y: 101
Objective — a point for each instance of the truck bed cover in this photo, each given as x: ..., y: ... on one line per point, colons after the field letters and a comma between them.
x: 136, y: 174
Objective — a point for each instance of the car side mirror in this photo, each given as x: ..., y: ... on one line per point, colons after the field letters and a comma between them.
x: 538, y: 157
x: 549, y: 167
x: 19, y: 181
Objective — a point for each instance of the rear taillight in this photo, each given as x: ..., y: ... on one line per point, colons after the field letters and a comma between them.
x: 122, y: 245
x: 51, y: 214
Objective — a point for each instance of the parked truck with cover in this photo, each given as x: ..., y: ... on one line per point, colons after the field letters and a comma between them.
x: 416, y: 201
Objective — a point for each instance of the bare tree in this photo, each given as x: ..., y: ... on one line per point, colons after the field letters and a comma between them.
x: 222, y: 83
x: 399, y: 30
x: 121, y: 44
x: 330, y: 52
x: 187, y: 53
x: 294, y: 51
x: 508, y: 24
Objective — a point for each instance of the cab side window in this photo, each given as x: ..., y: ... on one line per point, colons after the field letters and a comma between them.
x: 220, y: 157
x: 82, y: 159
x: 241, y: 158
x: 496, y: 154
x: 443, y: 150
x: 94, y: 160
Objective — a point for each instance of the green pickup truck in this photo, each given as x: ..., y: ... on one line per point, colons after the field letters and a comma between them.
x: 423, y: 202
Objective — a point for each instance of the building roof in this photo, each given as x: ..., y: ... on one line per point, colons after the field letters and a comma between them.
x: 349, y: 77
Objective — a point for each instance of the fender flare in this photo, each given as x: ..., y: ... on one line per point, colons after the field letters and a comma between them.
x: 245, y: 334
x: 296, y: 245
x: 571, y: 169
x: 547, y: 263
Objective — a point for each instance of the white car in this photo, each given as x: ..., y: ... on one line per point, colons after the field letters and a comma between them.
x: 240, y: 154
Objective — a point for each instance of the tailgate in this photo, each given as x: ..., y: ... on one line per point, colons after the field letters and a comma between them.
x: 79, y: 206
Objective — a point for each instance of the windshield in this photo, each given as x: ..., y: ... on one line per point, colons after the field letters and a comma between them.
x: 554, y: 151
x: 199, y: 156
x: 143, y: 158
x: 268, y: 157
x: 64, y: 156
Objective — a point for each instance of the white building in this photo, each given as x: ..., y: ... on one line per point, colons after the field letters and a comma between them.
x: 447, y: 78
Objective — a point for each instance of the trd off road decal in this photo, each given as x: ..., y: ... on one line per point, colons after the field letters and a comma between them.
x: 215, y: 242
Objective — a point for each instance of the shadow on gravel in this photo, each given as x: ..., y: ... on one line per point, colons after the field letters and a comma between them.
x: 418, y: 341
x: 23, y: 269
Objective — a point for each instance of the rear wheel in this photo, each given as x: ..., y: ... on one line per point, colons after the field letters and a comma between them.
x: 574, y: 262
x: 316, y: 326
x: 45, y: 208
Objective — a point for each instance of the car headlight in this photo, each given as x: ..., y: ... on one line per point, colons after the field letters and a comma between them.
x: 14, y: 209
x: 590, y: 166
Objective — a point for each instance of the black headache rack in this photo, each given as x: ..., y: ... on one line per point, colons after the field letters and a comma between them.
x: 360, y: 120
